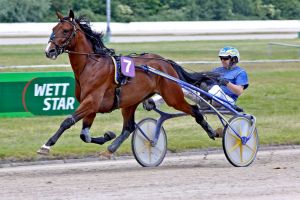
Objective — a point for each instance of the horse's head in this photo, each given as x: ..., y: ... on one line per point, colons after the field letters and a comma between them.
x: 61, y: 36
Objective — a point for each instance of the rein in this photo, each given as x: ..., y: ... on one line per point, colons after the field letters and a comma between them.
x: 83, y: 53
x: 132, y: 56
x: 80, y: 53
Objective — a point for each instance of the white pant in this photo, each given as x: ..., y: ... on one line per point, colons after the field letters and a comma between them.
x: 215, y: 90
x: 158, y: 100
x: 218, y: 92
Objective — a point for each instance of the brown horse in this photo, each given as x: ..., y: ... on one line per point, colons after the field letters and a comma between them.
x: 94, y: 71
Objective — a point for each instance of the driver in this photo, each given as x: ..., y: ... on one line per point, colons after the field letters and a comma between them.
x: 231, y: 84
x: 233, y: 80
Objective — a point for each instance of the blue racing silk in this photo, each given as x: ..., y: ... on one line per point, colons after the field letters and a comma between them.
x: 235, y: 75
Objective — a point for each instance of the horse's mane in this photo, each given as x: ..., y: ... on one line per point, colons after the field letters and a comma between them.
x: 94, y: 37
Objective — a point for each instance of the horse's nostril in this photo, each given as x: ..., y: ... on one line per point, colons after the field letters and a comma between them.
x: 52, y: 51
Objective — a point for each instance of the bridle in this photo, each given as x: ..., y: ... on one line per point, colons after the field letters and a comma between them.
x: 61, y: 49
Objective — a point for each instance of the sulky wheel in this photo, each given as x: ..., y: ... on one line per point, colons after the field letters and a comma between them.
x: 146, y: 154
x: 240, y: 146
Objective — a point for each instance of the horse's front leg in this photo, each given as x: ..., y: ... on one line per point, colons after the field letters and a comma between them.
x: 66, y: 124
x: 85, y: 132
x: 84, y: 109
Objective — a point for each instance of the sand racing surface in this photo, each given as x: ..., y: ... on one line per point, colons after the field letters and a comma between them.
x: 275, y: 174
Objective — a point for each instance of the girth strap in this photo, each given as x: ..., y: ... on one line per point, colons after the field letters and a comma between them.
x: 117, y: 100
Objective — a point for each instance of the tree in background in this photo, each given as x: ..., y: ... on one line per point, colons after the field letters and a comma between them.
x: 288, y: 9
x: 150, y: 10
x: 243, y: 9
x: 95, y: 10
x: 266, y: 11
x: 23, y: 11
x: 173, y: 10
x: 135, y: 10
x: 215, y: 10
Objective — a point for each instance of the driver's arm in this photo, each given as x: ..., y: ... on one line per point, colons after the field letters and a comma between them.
x: 236, y: 89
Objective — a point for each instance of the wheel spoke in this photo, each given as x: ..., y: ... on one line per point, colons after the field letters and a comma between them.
x: 155, y: 156
x: 141, y: 136
x: 157, y: 150
x: 250, y: 131
x: 141, y: 149
x: 234, y: 135
x: 150, y: 155
x: 235, y: 146
x: 241, y: 152
x: 240, y: 129
x: 254, y: 144
x: 250, y: 148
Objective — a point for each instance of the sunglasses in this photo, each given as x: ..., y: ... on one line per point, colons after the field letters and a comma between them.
x: 224, y: 58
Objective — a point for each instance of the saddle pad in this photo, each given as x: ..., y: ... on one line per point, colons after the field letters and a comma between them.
x: 127, y: 66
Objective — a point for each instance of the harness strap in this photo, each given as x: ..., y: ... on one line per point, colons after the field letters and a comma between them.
x: 117, y: 99
x: 116, y: 70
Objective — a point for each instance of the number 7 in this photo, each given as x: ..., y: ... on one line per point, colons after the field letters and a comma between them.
x: 128, y: 65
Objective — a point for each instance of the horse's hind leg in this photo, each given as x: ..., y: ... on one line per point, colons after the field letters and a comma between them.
x: 200, y: 120
x: 194, y: 111
x: 128, y: 128
x: 174, y: 97
x: 85, y: 132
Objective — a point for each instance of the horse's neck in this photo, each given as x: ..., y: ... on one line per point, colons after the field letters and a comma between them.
x: 78, y: 60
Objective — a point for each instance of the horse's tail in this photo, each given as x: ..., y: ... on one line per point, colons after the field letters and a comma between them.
x: 194, y: 78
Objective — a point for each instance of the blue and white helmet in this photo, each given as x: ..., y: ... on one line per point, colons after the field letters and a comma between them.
x: 230, y: 51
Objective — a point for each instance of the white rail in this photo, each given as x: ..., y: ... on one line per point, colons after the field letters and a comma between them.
x: 179, y: 62
x: 271, y: 44
x: 163, y: 28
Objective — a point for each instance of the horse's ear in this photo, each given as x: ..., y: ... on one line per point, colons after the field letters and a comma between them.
x: 60, y: 16
x: 71, y: 15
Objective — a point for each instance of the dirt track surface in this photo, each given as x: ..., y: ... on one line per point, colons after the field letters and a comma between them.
x: 274, y: 175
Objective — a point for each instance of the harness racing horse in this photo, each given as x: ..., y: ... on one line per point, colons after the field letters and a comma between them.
x: 94, y: 71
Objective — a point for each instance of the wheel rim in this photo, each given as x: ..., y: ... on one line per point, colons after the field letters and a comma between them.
x: 145, y: 154
x: 237, y: 153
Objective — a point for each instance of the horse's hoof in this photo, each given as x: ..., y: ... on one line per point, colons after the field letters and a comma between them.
x: 149, y: 104
x: 109, y: 135
x: 43, y: 151
x: 118, y: 141
x: 106, y: 154
x: 85, y: 138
